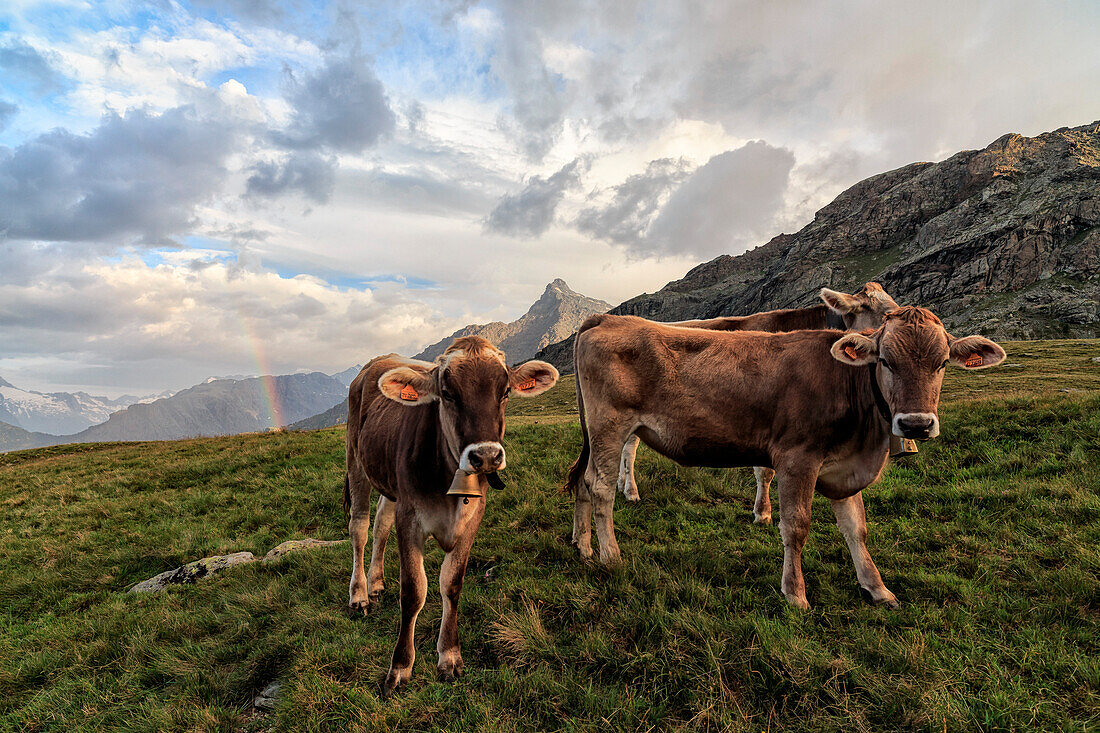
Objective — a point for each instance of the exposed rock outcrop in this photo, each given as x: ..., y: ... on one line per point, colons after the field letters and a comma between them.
x: 280, y: 551
x: 193, y: 572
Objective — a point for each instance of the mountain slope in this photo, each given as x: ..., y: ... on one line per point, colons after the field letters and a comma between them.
x: 16, y: 438
x: 335, y: 415
x: 347, y: 375
x: 1003, y: 241
x: 221, y: 407
x: 555, y: 315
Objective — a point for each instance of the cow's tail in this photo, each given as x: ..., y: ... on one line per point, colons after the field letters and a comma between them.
x: 347, y: 494
x: 577, y: 470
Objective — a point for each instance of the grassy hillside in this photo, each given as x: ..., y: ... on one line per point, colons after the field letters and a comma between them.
x: 990, y: 540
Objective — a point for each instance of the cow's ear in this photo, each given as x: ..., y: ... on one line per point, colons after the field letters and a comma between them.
x: 532, y: 378
x: 840, y: 303
x: 854, y: 349
x: 976, y: 352
x: 408, y: 386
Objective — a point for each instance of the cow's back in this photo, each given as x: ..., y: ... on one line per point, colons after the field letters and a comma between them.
x: 790, y: 319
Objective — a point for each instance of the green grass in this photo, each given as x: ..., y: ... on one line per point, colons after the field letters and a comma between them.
x: 990, y: 539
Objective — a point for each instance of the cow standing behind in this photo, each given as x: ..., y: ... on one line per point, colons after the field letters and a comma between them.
x: 861, y: 310
x: 412, y: 425
x: 817, y: 406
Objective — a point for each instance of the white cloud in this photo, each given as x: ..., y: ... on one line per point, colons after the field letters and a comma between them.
x: 198, y: 302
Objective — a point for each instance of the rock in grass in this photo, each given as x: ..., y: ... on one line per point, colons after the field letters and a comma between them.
x: 192, y: 572
x: 267, y: 699
x: 294, y: 545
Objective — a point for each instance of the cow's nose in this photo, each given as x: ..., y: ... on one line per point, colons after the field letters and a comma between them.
x: 485, y: 457
x: 916, y: 426
x: 488, y: 458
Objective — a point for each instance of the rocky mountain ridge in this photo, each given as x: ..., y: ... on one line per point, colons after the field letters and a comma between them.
x: 1002, y: 241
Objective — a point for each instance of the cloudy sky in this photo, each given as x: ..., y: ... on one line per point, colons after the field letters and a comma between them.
x: 235, y: 186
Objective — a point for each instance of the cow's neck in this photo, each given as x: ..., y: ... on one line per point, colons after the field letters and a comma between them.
x: 430, y: 451
x: 799, y: 319
x: 873, y: 410
x: 831, y: 318
x: 880, y: 401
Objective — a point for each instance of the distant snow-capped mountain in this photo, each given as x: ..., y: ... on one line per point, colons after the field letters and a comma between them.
x: 59, y: 413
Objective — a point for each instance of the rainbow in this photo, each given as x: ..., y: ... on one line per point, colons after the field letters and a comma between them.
x: 267, y: 391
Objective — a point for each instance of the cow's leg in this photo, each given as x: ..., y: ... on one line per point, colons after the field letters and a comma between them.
x: 796, y: 492
x: 383, y: 524
x: 358, y: 528
x: 451, y: 575
x: 851, y: 519
x: 626, y: 483
x: 762, y: 509
x: 414, y: 588
x: 607, y: 450
x: 582, y: 518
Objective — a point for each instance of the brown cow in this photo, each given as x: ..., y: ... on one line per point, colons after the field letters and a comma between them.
x: 860, y: 310
x: 413, y: 426
x: 817, y: 406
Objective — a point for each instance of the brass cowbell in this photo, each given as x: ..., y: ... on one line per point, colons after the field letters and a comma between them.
x: 466, y: 484
x: 902, y: 447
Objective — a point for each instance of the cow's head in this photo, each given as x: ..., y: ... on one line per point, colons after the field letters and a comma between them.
x: 471, y: 383
x: 861, y: 310
x: 910, y: 350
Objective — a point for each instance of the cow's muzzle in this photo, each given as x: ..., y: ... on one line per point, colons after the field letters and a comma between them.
x: 482, y: 458
x: 916, y: 425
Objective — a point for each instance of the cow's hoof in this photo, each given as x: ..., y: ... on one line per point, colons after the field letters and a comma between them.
x: 450, y: 671
x: 611, y: 560
x: 585, y: 553
x: 885, y: 598
x: 888, y: 601
x: 375, y: 597
x: 360, y: 608
x: 762, y: 519
x: 798, y: 602
x: 395, y: 682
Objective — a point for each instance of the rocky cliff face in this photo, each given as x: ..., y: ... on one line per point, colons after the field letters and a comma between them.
x: 553, y: 317
x: 1003, y: 241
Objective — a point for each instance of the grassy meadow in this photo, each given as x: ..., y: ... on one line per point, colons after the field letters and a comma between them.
x: 990, y: 538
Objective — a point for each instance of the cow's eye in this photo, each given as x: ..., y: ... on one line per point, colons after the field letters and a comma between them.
x: 507, y: 392
x: 886, y: 364
x: 447, y: 395
x: 945, y: 363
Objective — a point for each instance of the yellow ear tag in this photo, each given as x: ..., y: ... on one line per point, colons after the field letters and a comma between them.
x: 529, y: 384
x: 852, y: 353
x: 408, y: 392
x: 975, y: 360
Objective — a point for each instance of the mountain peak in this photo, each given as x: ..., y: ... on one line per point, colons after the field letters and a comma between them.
x: 5, y: 383
x: 558, y: 312
x: 560, y: 286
